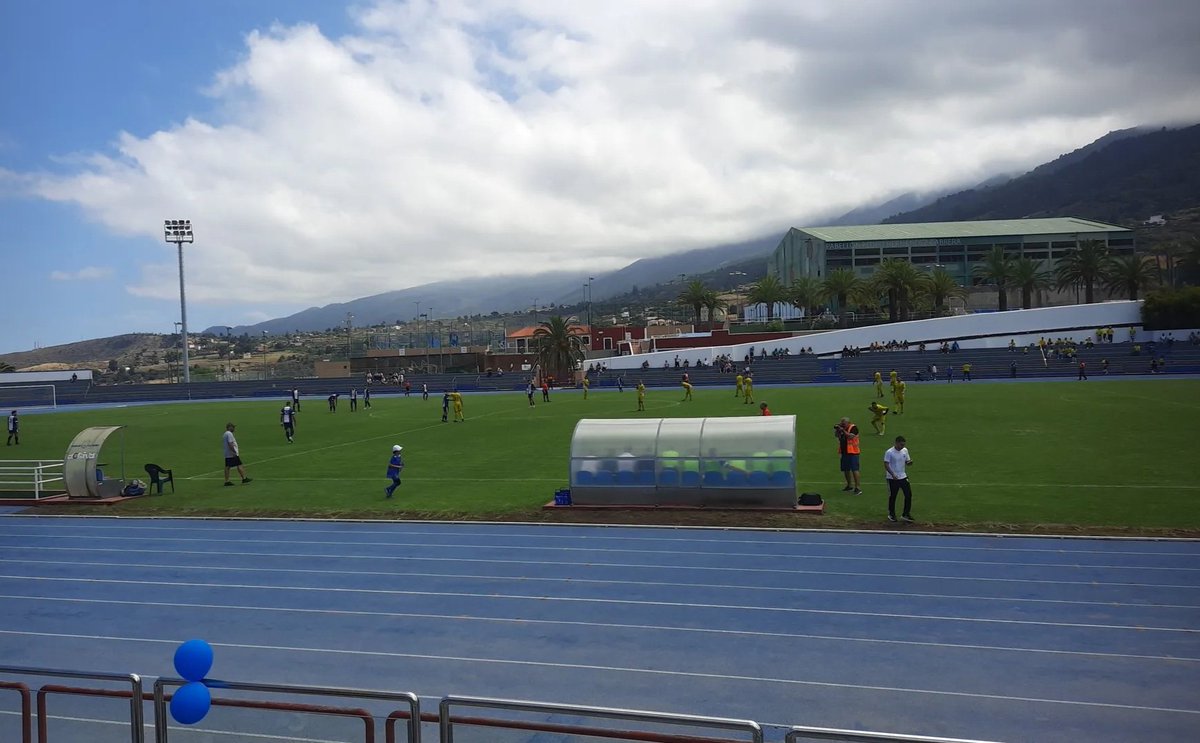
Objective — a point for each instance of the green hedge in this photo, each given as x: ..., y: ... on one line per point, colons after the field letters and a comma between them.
x: 1172, y: 309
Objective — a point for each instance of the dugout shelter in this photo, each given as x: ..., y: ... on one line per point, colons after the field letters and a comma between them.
x: 83, y: 470
x: 742, y: 462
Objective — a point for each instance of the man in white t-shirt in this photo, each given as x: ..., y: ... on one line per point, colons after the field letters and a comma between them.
x: 895, y: 464
x: 233, y: 456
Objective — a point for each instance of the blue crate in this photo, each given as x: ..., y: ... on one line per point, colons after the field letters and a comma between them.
x: 562, y: 497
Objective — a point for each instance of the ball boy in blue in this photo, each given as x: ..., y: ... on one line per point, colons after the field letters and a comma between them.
x: 395, y: 467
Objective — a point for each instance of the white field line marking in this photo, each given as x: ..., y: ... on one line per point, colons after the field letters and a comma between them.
x: 1002, y: 543
x: 522, y: 621
x: 1107, y: 393
x: 1009, y: 484
x: 612, y: 601
x: 181, y: 730
x: 596, y: 581
x: 407, y: 478
x: 560, y: 549
x: 619, y: 669
x: 624, y: 566
x: 307, y: 452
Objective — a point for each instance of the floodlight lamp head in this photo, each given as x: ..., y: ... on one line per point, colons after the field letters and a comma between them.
x: 178, y: 230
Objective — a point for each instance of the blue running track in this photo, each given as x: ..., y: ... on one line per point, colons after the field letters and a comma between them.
x: 1009, y: 639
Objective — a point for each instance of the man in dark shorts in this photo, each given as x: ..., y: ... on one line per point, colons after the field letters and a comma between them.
x: 287, y: 419
x: 849, y: 450
x: 232, y: 456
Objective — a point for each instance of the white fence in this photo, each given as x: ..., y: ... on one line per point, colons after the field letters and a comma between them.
x: 41, y: 477
x: 989, y: 327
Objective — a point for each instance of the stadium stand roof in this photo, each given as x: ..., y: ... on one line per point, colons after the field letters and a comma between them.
x: 983, y: 228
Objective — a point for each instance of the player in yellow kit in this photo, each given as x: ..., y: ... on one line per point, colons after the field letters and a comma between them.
x: 878, y: 384
x: 737, y: 388
x: 687, y: 390
x: 586, y: 383
x: 748, y: 390
x: 641, y: 390
x: 456, y: 401
x: 901, y: 386
x: 894, y: 377
x: 878, y: 417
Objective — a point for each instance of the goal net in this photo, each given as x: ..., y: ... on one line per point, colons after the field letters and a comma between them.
x: 26, y: 397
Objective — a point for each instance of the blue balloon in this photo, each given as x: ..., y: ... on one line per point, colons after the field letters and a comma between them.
x: 193, y: 660
x: 190, y: 703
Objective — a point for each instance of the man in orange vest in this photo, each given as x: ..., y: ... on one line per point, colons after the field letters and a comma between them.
x: 848, y: 447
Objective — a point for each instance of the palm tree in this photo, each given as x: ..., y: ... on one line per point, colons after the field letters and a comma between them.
x: 805, y: 293
x: 1189, y: 260
x: 559, y: 346
x: 1129, y: 274
x: 842, y: 284
x: 939, y: 286
x: 996, y: 268
x: 1028, y: 276
x: 1167, y: 259
x: 1084, y: 266
x: 695, y: 295
x: 900, y: 281
x: 712, y: 303
x: 768, y: 291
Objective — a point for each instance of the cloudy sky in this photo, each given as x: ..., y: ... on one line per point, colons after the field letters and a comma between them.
x: 327, y: 151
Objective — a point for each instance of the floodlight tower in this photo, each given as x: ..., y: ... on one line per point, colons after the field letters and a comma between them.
x: 589, y: 301
x: 179, y: 231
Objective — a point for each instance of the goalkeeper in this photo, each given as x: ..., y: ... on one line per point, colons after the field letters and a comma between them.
x: 878, y: 417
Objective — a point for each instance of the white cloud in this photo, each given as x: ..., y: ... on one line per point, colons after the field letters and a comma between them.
x: 469, y: 138
x: 87, y: 273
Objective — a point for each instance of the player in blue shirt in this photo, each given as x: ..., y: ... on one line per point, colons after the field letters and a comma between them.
x: 14, y: 429
x: 395, y: 467
x: 445, y: 407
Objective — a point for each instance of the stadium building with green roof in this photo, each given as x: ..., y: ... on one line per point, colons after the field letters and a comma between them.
x: 956, y: 246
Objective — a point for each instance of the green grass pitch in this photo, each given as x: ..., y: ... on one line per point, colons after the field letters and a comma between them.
x: 1088, y: 456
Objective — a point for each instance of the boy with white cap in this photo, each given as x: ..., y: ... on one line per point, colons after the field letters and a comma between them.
x: 395, y: 467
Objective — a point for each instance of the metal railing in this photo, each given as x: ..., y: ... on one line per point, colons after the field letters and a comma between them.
x: 411, y: 702
x: 26, y: 708
x: 31, y: 475
x: 406, y: 713
x: 447, y: 720
x: 134, y: 694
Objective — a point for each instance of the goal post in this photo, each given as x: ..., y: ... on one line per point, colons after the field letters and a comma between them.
x: 27, y: 397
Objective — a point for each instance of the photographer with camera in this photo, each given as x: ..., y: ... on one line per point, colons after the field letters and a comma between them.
x: 849, y: 450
